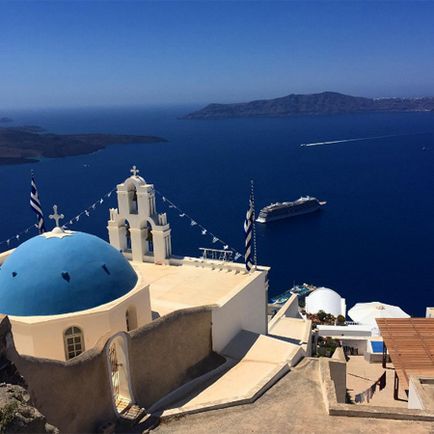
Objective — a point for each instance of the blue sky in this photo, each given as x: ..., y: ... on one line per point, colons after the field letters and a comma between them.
x: 72, y: 53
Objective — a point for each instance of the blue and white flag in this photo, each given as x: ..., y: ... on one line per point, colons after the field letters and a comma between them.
x: 35, y: 204
x: 248, y: 229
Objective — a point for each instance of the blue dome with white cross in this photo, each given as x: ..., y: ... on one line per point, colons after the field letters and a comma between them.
x: 62, y: 272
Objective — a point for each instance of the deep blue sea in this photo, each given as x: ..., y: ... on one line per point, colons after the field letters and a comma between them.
x: 374, y: 241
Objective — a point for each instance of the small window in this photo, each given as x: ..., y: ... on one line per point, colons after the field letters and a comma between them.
x: 74, y: 342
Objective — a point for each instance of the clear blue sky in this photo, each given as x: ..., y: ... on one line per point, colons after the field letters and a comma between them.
x: 71, y: 53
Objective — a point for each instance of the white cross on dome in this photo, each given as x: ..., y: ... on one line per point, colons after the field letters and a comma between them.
x: 56, y: 216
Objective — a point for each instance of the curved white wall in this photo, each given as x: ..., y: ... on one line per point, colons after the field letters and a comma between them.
x: 43, y: 336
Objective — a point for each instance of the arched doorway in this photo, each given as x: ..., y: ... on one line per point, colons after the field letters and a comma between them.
x: 117, y: 355
x: 131, y: 318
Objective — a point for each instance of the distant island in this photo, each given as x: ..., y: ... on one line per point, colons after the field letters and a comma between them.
x: 313, y: 104
x: 30, y: 143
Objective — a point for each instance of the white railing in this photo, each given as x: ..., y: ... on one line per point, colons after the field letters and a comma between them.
x: 217, y: 255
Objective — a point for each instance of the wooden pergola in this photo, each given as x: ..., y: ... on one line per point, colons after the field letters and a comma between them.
x: 410, y: 343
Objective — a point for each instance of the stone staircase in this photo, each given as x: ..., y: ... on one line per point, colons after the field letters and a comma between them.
x: 133, y: 418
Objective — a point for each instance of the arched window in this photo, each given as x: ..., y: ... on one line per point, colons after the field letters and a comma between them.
x: 131, y: 318
x: 74, y: 342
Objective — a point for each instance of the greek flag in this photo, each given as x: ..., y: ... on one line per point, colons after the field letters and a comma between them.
x: 35, y: 204
x: 248, y: 229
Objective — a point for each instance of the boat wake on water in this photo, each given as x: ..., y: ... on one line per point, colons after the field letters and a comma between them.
x: 358, y: 139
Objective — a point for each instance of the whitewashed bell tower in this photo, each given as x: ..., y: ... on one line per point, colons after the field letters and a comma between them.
x: 135, y: 227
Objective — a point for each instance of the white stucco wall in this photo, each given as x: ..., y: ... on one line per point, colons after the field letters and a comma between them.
x: 43, y: 336
x: 245, y: 310
x: 349, y: 330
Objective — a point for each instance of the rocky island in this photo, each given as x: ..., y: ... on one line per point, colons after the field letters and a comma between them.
x: 313, y: 104
x: 30, y: 143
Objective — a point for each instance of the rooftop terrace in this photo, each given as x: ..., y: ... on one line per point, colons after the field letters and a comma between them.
x: 175, y: 287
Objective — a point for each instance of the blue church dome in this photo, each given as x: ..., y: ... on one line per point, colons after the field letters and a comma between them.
x: 53, y: 274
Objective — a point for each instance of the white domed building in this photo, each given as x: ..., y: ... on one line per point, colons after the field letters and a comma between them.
x: 64, y: 290
x: 327, y: 300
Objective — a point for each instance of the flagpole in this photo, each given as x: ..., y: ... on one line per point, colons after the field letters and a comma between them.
x: 252, y: 192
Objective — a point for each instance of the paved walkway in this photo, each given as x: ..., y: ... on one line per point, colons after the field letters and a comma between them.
x: 260, y: 361
x: 293, y: 405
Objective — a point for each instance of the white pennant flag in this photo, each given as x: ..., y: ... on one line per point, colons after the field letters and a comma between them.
x: 237, y: 256
x: 93, y: 206
x: 226, y: 247
x: 203, y: 231
x: 164, y: 199
x: 87, y: 213
x: 214, y: 239
x: 109, y: 194
x: 193, y: 223
x: 77, y: 218
x: 18, y: 237
x: 182, y: 215
x: 101, y: 200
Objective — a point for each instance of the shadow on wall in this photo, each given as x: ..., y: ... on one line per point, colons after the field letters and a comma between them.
x: 77, y: 395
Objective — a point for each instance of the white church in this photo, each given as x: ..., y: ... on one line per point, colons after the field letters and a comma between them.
x: 65, y: 291
x: 137, y: 321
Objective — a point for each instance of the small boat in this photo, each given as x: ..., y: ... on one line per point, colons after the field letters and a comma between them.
x: 300, y: 290
x: 283, y: 210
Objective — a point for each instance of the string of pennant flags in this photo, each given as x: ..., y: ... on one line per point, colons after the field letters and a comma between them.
x: 90, y: 209
x: 86, y: 212
x: 194, y: 223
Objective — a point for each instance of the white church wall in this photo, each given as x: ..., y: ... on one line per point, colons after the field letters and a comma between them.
x: 246, y: 310
x: 139, y: 216
x: 4, y: 255
x: 44, y: 336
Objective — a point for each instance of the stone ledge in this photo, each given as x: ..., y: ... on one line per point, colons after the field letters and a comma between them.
x: 334, y: 408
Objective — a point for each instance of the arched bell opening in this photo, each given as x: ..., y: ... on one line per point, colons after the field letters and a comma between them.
x: 127, y: 232
x: 148, y: 238
x: 132, y: 199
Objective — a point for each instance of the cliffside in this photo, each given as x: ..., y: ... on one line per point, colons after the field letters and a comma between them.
x: 17, y: 413
x: 314, y: 104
